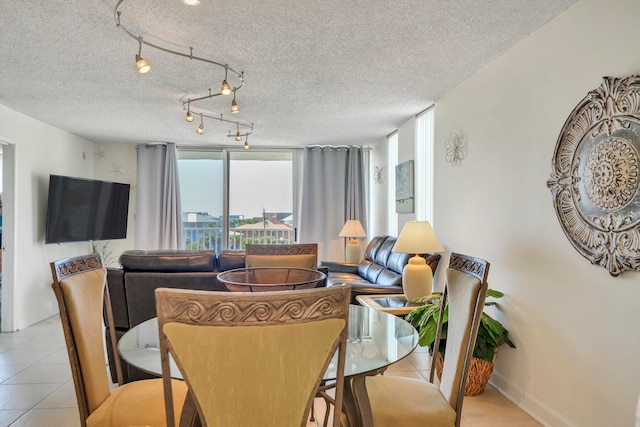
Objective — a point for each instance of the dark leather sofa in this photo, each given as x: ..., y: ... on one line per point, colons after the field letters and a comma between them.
x: 132, y: 287
x: 379, y: 272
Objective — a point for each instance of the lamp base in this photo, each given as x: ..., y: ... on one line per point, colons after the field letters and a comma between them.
x: 352, y: 252
x: 417, y: 278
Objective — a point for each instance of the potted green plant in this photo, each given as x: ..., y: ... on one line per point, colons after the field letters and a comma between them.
x: 491, y: 334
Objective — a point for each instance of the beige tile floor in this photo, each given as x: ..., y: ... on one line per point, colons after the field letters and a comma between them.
x: 36, y: 388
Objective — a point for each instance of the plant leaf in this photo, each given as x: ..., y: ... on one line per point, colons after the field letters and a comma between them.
x: 494, y: 294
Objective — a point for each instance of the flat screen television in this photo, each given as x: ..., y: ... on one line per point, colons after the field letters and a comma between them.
x: 81, y: 209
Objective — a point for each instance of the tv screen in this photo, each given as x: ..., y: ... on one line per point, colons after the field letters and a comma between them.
x: 85, y: 209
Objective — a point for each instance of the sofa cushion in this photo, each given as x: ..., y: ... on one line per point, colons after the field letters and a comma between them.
x: 140, y: 289
x: 230, y: 260
x: 300, y: 261
x: 168, y: 261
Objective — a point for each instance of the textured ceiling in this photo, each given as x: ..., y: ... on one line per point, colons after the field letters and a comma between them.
x: 316, y: 72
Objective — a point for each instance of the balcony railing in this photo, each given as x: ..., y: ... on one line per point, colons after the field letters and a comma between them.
x: 197, y: 238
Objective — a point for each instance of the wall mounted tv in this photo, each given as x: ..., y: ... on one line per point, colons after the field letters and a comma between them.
x: 86, y: 209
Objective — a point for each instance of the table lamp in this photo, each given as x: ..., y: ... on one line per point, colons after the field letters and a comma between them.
x: 417, y: 237
x: 352, y: 229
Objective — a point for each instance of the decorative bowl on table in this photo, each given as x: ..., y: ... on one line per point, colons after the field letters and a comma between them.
x: 264, y: 279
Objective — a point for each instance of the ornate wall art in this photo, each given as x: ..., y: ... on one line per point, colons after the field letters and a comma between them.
x: 456, y: 149
x: 377, y: 175
x: 404, y: 187
x: 595, y: 177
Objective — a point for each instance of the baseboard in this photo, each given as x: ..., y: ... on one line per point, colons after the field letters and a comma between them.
x: 529, y: 404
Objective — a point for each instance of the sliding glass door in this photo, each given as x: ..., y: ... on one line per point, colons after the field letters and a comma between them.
x: 231, y: 198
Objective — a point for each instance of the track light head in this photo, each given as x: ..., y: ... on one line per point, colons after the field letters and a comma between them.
x: 238, y: 136
x: 225, y: 89
x: 191, y: 2
x: 200, y: 129
x: 234, y: 106
x: 246, y: 145
x: 142, y: 65
x: 189, y: 116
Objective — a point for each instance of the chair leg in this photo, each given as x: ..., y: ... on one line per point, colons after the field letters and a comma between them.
x: 312, y: 418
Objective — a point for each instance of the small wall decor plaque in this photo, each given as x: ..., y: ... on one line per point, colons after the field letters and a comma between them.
x: 595, y: 176
x: 456, y: 150
x: 404, y: 187
x: 377, y: 175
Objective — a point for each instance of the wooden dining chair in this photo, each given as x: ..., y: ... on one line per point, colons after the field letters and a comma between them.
x: 407, y: 402
x: 80, y: 287
x: 253, y: 358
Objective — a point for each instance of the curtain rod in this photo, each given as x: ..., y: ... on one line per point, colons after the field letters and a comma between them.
x: 426, y: 110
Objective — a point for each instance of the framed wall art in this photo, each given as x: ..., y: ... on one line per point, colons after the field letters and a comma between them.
x: 595, y: 176
x: 404, y: 187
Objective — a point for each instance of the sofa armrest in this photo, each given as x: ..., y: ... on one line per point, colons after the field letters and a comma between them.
x: 340, y: 267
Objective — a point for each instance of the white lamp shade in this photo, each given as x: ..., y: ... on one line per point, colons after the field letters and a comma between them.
x: 417, y: 237
x: 352, y: 228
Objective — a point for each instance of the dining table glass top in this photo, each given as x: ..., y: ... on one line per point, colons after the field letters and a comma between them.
x: 375, y: 340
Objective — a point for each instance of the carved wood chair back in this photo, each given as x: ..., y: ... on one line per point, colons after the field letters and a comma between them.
x: 241, y: 354
x: 396, y: 401
x: 79, y: 285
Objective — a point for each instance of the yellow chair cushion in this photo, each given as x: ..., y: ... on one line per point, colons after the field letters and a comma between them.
x: 138, y: 403
x: 83, y: 297
x: 407, y: 402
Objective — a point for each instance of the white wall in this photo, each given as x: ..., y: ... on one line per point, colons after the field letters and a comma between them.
x: 40, y: 150
x: 575, y: 326
x: 118, y: 162
x: 378, y: 195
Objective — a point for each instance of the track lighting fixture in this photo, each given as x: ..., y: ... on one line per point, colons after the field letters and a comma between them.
x: 189, y: 116
x: 225, y: 89
x: 246, y: 145
x: 234, y: 105
x: 200, y: 129
x: 142, y: 65
x: 232, y: 82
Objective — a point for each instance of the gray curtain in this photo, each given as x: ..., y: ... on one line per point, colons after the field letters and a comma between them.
x: 158, y: 207
x: 333, y: 191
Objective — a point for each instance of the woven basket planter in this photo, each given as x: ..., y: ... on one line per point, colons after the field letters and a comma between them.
x: 479, y: 373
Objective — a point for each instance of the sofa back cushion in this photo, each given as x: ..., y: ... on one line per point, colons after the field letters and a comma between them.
x: 301, y: 255
x: 300, y: 261
x: 373, y: 246
x: 140, y: 289
x: 168, y: 261
x: 229, y: 260
x: 380, y: 264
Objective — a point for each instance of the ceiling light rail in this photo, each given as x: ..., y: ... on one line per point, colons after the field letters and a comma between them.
x: 238, y: 134
x: 143, y: 66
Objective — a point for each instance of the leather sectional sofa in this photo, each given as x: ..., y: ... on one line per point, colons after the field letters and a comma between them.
x: 379, y: 272
x: 132, y: 287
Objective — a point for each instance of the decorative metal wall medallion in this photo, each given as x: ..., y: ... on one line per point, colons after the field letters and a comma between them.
x: 595, y: 176
x: 456, y: 149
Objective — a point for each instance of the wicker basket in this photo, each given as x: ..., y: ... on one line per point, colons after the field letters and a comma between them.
x: 479, y: 373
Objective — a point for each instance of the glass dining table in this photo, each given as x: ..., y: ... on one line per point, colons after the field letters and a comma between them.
x: 375, y: 340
